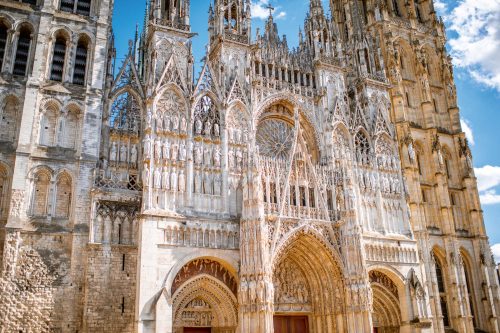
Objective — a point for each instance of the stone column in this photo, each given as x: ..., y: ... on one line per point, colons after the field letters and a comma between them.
x: 256, y: 292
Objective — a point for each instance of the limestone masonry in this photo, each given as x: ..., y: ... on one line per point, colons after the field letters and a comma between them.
x: 324, y: 189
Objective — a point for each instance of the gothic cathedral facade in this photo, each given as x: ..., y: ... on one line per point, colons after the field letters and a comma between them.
x: 326, y: 188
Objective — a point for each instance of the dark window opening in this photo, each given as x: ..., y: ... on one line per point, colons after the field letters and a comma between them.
x: 80, y: 64
x: 3, y: 42
x: 22, y: 52
x: 58, y: 59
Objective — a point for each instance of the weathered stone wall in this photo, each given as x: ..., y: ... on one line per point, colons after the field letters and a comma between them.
x: 110, y: 288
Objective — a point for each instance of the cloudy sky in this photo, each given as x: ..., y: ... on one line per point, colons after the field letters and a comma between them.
x: 473, y: 41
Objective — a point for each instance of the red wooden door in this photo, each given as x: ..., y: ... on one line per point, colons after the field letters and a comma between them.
x: 291, y: 324
x: 197, y: 330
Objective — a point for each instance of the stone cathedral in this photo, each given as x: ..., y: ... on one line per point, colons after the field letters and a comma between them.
x: 326, y: 188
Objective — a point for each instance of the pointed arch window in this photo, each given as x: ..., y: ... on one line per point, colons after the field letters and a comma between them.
x: 395, y: 7
x: 362, y: 147
x: 80, y: 69
x: 8, y: 120
x: 22, y: 52
x: 48, y: 125
x: 58, y: 59
x: 41, y: 193
x: 63, y: 196
x: 3, y: 42
x: 442, y: 292
x: 125, y: 113
x: 470, y: 289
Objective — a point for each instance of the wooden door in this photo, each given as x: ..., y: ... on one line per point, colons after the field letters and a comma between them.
x: 197, y: 330
x: 291, y: 324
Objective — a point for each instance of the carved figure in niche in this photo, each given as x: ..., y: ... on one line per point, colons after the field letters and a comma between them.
x: 157, y: 178
x: 113, y: 152
x: 411, y: 153
x: 182, y: 181
x: 175, y: 152
x: 175, y: 123
x: 133, y: 155
x: 230, y: 133
x: 147, y: 146
x: 216, y: 130
x: 159, y: 124
x: 145, y: 175
x: 252, y: 286
x: 198, y: 158
x: 182, y: 152
x: 149, y: 119
x: 183, y: 124
x: 231, y: 158
x: 123, y: 153
x: 239, y: 159
x: 165, y: 179
x: 218, y: 185
x: 217, y: 156
x: 166, y: 149
x: 166, y: 122
x: 261, y: 289
x: 237, y: 135
x: 245, y: 136
x: 207, y: 184
x: 173, y: 180
x: 198, y: 126
x: 208, y: 128
x: 197, y: 183
x: 157, y: 149
x: 207, y: 153
x: 243, y: 294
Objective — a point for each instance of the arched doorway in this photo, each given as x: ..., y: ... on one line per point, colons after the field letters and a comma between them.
x: 308, y: 288
x: 204, y: 298
x: 386, y: 313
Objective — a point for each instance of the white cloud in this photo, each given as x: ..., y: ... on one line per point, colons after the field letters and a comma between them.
x: 488, y: 177
x: 440, y: 6
x: 260, y: 10
x: 490, y: 197
x: 477, y: 42
x: 495, y: 249
x: 466, y: 127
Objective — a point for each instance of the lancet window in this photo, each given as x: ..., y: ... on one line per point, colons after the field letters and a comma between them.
x: 58, y: 58
x: 63, y: 196
x: 9, y: 119
x: 23, y: 51
x: 125, y: 113
x: 41, y: 188
x: 80, y: 69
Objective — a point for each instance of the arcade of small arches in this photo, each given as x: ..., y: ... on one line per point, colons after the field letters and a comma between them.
x: 309, y: 291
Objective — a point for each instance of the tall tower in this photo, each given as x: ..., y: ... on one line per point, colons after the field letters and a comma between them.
x: 53, y: 73
x: 445, y: 211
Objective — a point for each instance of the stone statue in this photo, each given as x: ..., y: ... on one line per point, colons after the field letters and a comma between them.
x: 207, y: 156
x: 149, y: 119
x: 157, y: 178
x: 175, y: 152
x: 197, y: 183
x: 182, y: 181
x: 198, y: 154
x: 145, y: 176
x: 216, y: 130
x: 165, y: 179
x: 183, y: 124
x: 175, y: 123
x: 208, y: 128
x: 157, y: 149
x: 123, y: 153
x: 113, y: 152
x: 166, y: 122
x: 173, y: 180
x: 147, y: 146
x: 182, y: 152
x: 207, y: 184
x: 198, y: 126
x: 217, y: 156
x: 411, y: 153
x: 218, y: 185
x: 133, y: 155
x: 166, y: 149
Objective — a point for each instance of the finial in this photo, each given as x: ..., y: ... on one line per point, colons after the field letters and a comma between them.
x: 270, y: 8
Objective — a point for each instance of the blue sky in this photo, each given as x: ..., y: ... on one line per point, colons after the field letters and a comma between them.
x: 473, y: 40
